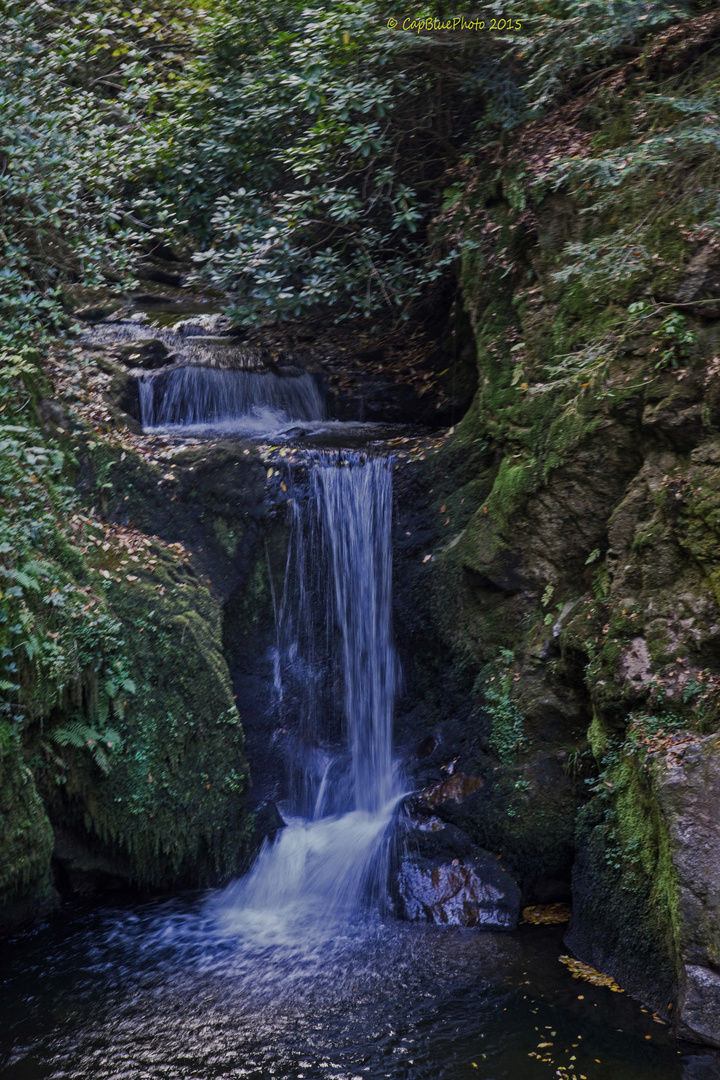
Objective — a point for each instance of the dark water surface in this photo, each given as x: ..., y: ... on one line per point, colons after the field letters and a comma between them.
x: 160, y: 991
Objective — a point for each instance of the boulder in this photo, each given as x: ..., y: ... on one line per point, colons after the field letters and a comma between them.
x: 700, y: 1005
x: 472, y: 891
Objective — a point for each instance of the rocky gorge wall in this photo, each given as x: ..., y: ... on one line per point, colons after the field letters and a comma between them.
x: 558, y: 559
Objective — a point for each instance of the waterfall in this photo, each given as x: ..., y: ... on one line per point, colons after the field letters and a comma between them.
x: 356, y: 507
x: 335, y: 682
x: 241, y: 402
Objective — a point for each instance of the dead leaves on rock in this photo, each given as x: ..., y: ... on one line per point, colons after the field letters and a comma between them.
x: 578, y: 970
x: 455, y: 788
x: 546, y: 914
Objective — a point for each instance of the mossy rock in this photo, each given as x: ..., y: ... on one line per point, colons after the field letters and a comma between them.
x: 171, y: 805
x: 26, y: 880
x: 624, y: 896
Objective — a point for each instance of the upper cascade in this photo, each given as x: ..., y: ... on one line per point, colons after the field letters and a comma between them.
x: 227, y: 401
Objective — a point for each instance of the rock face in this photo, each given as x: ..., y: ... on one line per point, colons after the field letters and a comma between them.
x: 558, y: 577
x: 700, y: 1005
x: 689, y: 800
x: 476, y: 892
x: 562, y: 644
x: 688, y: 792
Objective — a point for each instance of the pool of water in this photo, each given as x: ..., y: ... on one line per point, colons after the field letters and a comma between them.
x: 161, y: 990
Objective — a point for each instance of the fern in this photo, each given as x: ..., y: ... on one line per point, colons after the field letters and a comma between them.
x: 80, y: 735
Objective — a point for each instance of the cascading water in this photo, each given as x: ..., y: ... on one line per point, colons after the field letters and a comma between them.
x: 280, y: 975
x: 334, y: 648
x: 237, y: 402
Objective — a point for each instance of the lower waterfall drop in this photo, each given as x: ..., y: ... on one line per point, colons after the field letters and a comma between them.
x: 335, y: 655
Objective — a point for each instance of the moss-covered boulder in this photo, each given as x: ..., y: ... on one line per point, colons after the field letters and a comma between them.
x: 166, y: 800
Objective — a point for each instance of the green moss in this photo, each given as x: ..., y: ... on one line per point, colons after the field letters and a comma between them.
x: 507, y: 737
x: 598, y: 737
x: 226, y: 536
x: 626, y: 894
x: 171, y: 805
x: 109, y: 632
x: 622, y: 921
x: 512, y: 483
x: 27, y: 840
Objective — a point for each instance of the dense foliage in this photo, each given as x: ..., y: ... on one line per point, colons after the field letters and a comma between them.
x: 294, y: 154
x: 79, y: 84
x: 341, y: 131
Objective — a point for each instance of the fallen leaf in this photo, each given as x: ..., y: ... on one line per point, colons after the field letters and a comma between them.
x: 589, y: 974
x: 546, y: 914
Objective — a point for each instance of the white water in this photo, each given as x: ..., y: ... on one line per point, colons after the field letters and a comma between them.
x: 335, y: 654
x: 205, y: 399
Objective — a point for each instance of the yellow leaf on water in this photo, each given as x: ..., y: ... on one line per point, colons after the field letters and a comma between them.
x: 546, y: 914
x: 578, y: 970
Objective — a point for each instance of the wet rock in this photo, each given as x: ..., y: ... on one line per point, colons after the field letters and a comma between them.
x: 430, y: 824
x: 148, y: 353
x: 268, y: 821
x: 424, y: 747
x: 700, y: 1005
x: 455, y: 788
x: 225, y: 353
x: 472, y: 891
x: 204, y: 326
